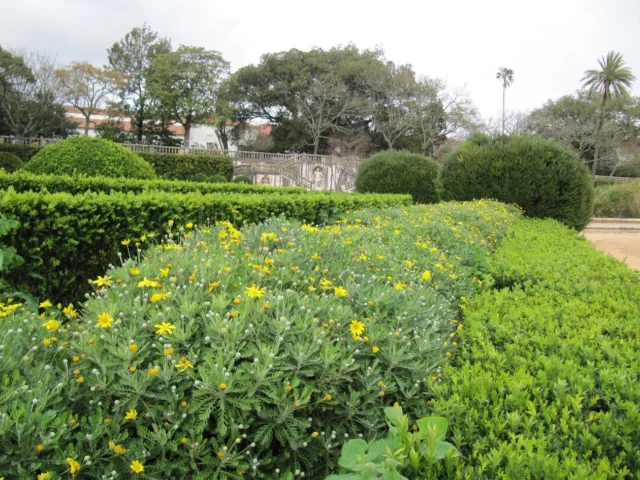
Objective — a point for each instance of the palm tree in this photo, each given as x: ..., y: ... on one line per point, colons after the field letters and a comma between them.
x: 505, y: 75
x: 612, y: 78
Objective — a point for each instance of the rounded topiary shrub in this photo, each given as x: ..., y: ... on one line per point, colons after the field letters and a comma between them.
x: 217, y: 179
x: 91, y: 157
x: 399, y: 172
x: 199, y: 177
x: 538, y: 175
x: 242, y: 179
x: 10, y: 162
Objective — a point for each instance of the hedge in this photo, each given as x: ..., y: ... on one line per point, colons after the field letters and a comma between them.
x: 25, y: 181
x: 10, y: 162
x: 25, y: 152
x: 621, y: 200
x: 184, y: 167
x: 546, y: 383
x: 66, y: 239
x: 400, y: 172
x: 540, y: 176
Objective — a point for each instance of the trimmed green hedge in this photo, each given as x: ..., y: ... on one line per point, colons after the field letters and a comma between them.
x: 546, y: 381
x: 67, y: 239
x: 400, y: 172
x: 10, y: 162
x: 24, y: 182
x: 25, y: 152
x: 538, y: 175
x: 184, y: 167
x: 89, y: 156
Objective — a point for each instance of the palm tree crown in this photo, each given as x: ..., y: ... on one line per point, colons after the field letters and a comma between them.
x: 506, y: 76
x: 613, y: 75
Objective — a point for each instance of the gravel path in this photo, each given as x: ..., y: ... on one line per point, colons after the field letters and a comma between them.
x: 625, y: 246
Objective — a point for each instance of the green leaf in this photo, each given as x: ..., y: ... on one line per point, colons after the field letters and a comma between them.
x: 438, y: 425
x: 442, y: 448
x: 394, y: 415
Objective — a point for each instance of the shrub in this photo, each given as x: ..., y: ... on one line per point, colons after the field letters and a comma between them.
x: 262, y: 348
x: 629, y: 169
x: 66, y: 239
x: 620, y: 201
x: 538, y: 175
x: 199, y: 177
x: 25, y: 152
x: 183, y: 167
x: 217, y: 179
x: 89, y: 156
x: 399, y: 172
x: 243, y: 179
x: 545, y: 385
x: 10, y: 162
x: 23, y: 182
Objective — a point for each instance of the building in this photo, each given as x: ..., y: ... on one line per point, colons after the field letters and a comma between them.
x: 201, y: 136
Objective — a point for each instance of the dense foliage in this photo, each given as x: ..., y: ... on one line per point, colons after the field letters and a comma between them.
x: 25, y: 152
x: 400, y: 172
x: 621, y: 200
x: 184, y: 167
x: 10, y: 162
x: 24, y: 182
x: 67, y: 238
x: 243, y: 179
x: 545, y: 384
x: 225, y: 353
x: 89, y: 156
x: 538, y: 175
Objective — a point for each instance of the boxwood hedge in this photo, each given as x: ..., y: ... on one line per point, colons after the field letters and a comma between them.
x: 546, y: 382
x: 65, y: 239
x: 184, y: 167
x: 538, y: 175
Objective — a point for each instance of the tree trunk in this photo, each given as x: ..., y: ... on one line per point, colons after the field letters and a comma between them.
x: 594, y: 166
x: 316, y: 145
x: 187, y: 134
x: 504, y: 91
x: 86, y: 124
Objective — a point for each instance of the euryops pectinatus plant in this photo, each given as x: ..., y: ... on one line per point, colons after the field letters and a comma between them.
x: 226, y: 353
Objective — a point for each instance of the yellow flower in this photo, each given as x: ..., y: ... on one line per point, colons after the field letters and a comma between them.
x: 112, y: 444
x: 156, y: 297
x: 134, y: 271
x: 164, y: 327
x: 125, y: 242
x: 170, y: 222
x: 80, y: 379
x: 237, y: 301
x: 46, y: 304
x: 328, y: 397
x: 184, y: 364
x: 76, y: 358
x: 400, y: 286
x: 40, y: 448
x: 254, y: 292
x: 184, y: 440
x: 51, y: 325
x: 105, y: 320
x: 102, y: 281
x: 133, y: 347
x: 168, y: 351
x: 315, y: 434
x: 120, y: 449
x: 396, y: 404
x: 189, y: 225
x: 69, y: 311
x: 266, y: 306
x: 184, y: 404
x: 145, y: 282
x: 43, y: 476
x: 375, y: 349
x: 164, y: 272
x: 220, y: 454
x: 136, y: 467
x: 356, y: 328
x: 340, y: 291
x: 214, y: 285
x: 46, y: 342
x: 223, y: 386
x: 154, y: 371
x: 426, y: 275
x: 74, y: 467
x: 131, y: 414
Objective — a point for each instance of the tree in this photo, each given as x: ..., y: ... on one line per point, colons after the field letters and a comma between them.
x: 186, y: 82
x: 613, y: 78
x: 505, y: 75
x: 393, y: 106
x: 30, y: 96
x: 133, y: 58
x: 88, y: 88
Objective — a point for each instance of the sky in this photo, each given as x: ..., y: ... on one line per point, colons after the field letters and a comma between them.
x: 548, y: 43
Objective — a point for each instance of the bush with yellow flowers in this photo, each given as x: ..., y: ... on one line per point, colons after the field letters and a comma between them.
x: 222, y: 353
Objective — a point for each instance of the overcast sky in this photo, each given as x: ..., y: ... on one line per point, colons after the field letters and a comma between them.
x: 548, y: 43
